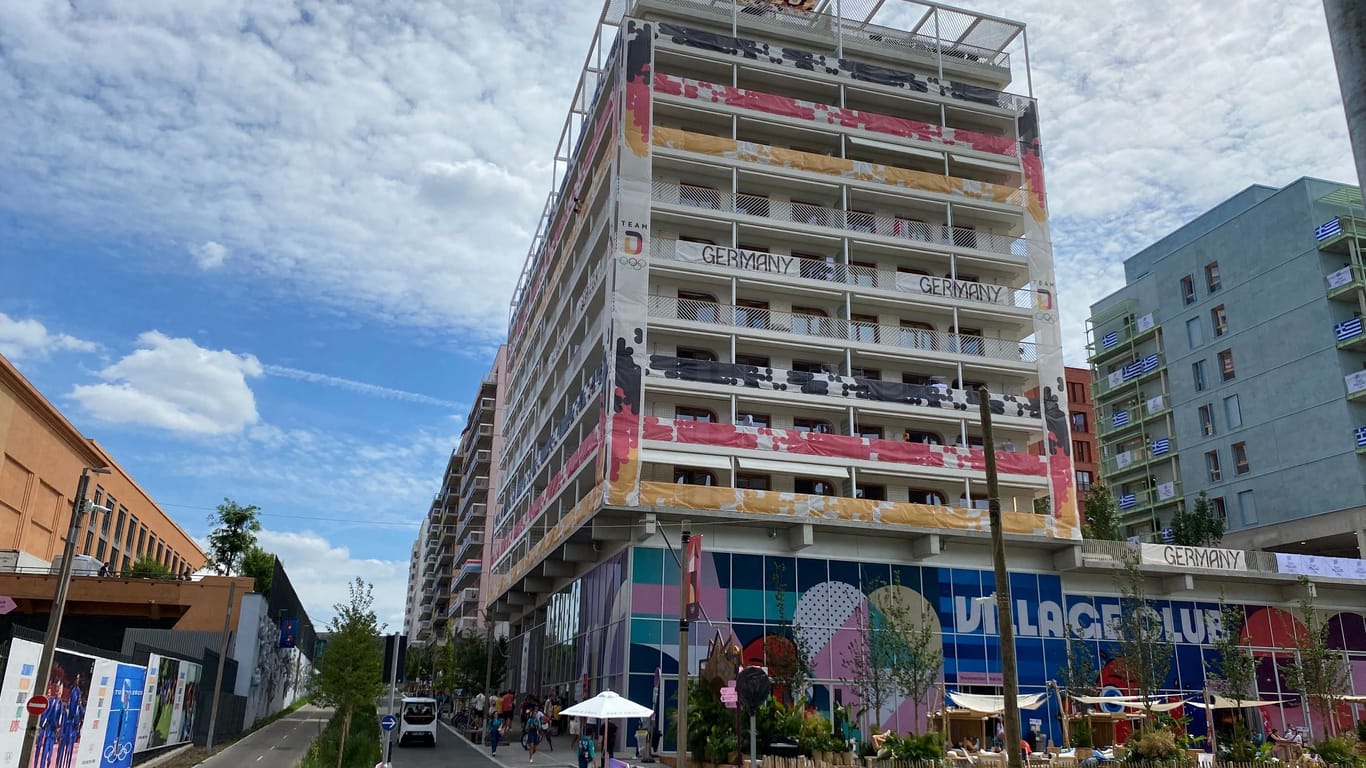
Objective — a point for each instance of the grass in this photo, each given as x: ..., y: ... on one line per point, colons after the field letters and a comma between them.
x: 362, y: 742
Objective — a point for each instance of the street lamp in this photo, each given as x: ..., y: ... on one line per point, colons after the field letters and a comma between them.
x: 54, y: 621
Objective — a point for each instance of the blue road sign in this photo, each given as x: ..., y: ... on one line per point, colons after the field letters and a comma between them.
x: 388, y: 722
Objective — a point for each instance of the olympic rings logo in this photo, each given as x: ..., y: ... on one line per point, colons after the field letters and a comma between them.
x: 631, y: 261
x: 117, y: 752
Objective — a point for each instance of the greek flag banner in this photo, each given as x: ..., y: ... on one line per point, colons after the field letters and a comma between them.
x: 1161, y: 446
x: 1110, y: 339
x: 1361, y: 437
x: 1150, y: 363
x: 1328, y: 229
x: 1128, y: 500
x: 1133, y: 370
x: 1168, y: 536
x: 1348, y: 329
x: 1120, y: 419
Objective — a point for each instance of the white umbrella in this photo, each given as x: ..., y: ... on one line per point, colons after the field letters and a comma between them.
x: 608, y: 705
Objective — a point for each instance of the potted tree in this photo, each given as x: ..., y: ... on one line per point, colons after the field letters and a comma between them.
x: 1081, y: 738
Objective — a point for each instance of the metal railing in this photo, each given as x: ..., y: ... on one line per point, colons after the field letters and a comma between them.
x: 857, y: 275
x: 1134, y: 458
x: 885, y: 225
x: 1345, y: 279
x: 758, y: 318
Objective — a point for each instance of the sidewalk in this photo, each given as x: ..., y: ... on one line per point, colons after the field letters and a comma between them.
x: 511, y: 754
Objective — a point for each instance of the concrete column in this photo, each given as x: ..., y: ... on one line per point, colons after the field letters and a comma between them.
x: 1347, y: 31
x: 1361, y: 543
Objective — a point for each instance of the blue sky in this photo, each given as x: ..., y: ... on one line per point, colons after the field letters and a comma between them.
x: 264, y: 249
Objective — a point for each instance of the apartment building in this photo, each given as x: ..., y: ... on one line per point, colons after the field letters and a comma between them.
x: 1231, y: 362
x: 41, y: 458
x: 1081, y: 418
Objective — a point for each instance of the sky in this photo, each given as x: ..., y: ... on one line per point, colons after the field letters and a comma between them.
x: 264, y: 250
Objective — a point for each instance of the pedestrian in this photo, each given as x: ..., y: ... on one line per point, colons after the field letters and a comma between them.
x: 507, y: 703
x: 587, y: 750
x: 532, y: 727
x: 609, y: 744
x: 497, y: 727
x: 543, y: 723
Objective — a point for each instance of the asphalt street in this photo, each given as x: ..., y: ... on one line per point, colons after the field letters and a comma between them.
x: 281, y: 744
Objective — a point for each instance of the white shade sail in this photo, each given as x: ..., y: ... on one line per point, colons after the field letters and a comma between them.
x: 994, y: 705
x: 1219, y: 702
x: 794, y: 468
x: 1105, y: 699
x: 684, y: 459
x: 608, y: 705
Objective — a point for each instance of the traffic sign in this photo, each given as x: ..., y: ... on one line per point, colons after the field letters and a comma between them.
x: 37, y: 705
x: 388, y: 722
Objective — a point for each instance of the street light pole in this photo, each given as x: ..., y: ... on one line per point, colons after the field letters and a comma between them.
x: 54, y: 620
x: 1010, y: 681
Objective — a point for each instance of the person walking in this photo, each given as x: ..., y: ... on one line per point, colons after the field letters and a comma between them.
x: 532, y: 727
x: 587, y: 751
x: 497, y: 727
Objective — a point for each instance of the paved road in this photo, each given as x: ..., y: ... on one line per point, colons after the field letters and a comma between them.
x: 453, y: 749
x: 281, y: 744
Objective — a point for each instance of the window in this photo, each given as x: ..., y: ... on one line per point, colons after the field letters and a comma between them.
x: 810, y: 213
x: 691, y: 239
x: 698, y: 196
x: 1081, y: 451
x: 871, y: 492
x: 808, y: 366
x: 1240, y: 466
x: 916, y: 379
x: 814, y: 266
x: 813, y: 486
x: 698, y: 306
x: 687, y: 413
x: 1233, y: 414
x: 1219, y: 320
x: 754, y: 205
x: 1212, y: 466
x: 1198, y: 374
x: 861, y: 221
x: 747, y: 419
x: 142, y: 540
x: 811, y: 425
x: 869, y: 431
x: 692, y: 353
x: 863, y: 273
x: 752, y: 482
x: 917, y: 335
x: 863, y: 328
x: 872, y: 374
x: 915, y: 229
x: 132, y: 525
x: 1076, y: 392
x: 1193, y: 335
x: 751, y: 314
x: 1220, y: 509
x: 915, y: 436
x: 970, y: 341
x: 1207, y: 420
x: 1212, y: 280
x: 89, y: 543
x: 1079, y: 421
x: 965, y: 237
x: 1226, y: 365
x: 1247, y: 507
x: 1188, y: 289
x: 104, y: 523
x: 922, y: 496
x: 99, y: 551
x: 690, y: 476
x: 809, y: 320
x: 1084, y: 480
x: 758, y: 361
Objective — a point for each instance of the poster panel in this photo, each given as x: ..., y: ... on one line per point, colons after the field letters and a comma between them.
x: 61, y: 728
x: 16, y: 689
x: 120, y: 697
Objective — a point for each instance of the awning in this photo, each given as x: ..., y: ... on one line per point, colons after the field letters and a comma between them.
x: 1156, y: 706
x: 684, y: 459
x: 978, y: 162
x: 1105, y: 699
x: 1219, y: 702
x: 794, y: 468
x: 994, y: 705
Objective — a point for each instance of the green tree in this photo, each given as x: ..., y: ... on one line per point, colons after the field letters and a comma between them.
x: 349, y: 676
x: 233, y: 536
x: 1234, y: 674
x: 1322, y: 673
x: 148, y: 567
x: 1143, y: 647
x: 1076, y: 677
x: 260, y: 566
x: 1102, y: 518
x: 918, y: 648
x: 1199, y: 527
x: 786, y: 652
x: 869, y: 663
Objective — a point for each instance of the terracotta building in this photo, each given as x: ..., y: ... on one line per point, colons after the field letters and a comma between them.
x: 1082, y: 415
x: 41, y: 457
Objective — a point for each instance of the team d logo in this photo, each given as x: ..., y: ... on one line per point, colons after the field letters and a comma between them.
x: 632, y: 243
x: 1043, y: 300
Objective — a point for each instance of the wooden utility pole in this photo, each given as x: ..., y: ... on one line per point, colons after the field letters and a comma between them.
x: 683, y: 649
x: 1010, y: 681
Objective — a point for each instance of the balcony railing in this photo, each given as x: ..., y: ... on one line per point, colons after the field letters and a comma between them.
x: 1341, y: 282
x: 693, y: 310
x: 1130, y: 373
x: 837, y: 218
x: 1349, y: 333
x: 1113, y: 337
x: 1147, y: 498
x: 1332, y: 235
x: 752, y: 262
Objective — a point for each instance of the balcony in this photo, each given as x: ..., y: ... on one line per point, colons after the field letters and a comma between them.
x: 1135, y: 372
x: 1135, y: 502
x: 1124, y: 420
x: 1137, y: 459
x: 469, y: 595
x: 712, y: 258
x: 910, y: 231
x: 1336, y: 234
x: 1350, y: 334
x: 466, y: 623
x: 1356, y: 386
x: 1344, y: 283
x: 931, y: 344
x: 1115, y: 337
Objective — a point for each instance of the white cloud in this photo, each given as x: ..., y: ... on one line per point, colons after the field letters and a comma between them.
x: 209, y: 255
x: 29, y: 338
x: 321, y: 571
x: 175, y: 385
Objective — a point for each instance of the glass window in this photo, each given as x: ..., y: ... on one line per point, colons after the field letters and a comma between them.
x: 871, y: 492
x: 813, y: 266
x: 701, y: 307
x: 1076, y: 393
x: 863, y: 273
x: 752, y: 482
x: 1193, y: 336
x: 1240, y: 466
x: 698, y: 196
x: 1219, y: 319
x: 1226, y: 369
x: 928, y: 438
x: 811, y: 425
x: 751, y: 314
x: 1207, y: 420
x: 861, y: 221
x: 686, y: 413
x: 863, y: 328
x: 1084, y: 480
x: 1198, y: 374
x: 808, y: 366
x: 1212, y: 280
x: 869, y: 431
x: 758, y: 361
x: 1188, y: 289
x: 1212, y: 466
x: 872, y: 374
x: 922, y: 496
x: 691, y: 353
x: 682, y: 476
x: 1220, y: 509
x: 917, y: 335
x: 748, y: 419
x: 1079, y: 421
x: 813, y: 486
x: 1233, y: 414
x: 1081, y: 451
x: 1247, y: 507
x: 809, y: 320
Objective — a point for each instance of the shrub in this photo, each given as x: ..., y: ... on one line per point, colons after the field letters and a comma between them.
x: 925, y: 747
x: 1338, y: 751
x: 1153, y: 744
x: 362, y: 743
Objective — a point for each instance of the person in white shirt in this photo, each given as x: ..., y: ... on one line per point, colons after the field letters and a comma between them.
x: 479, y: 707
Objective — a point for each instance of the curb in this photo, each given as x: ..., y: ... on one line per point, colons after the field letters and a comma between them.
x: 159, y: 759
